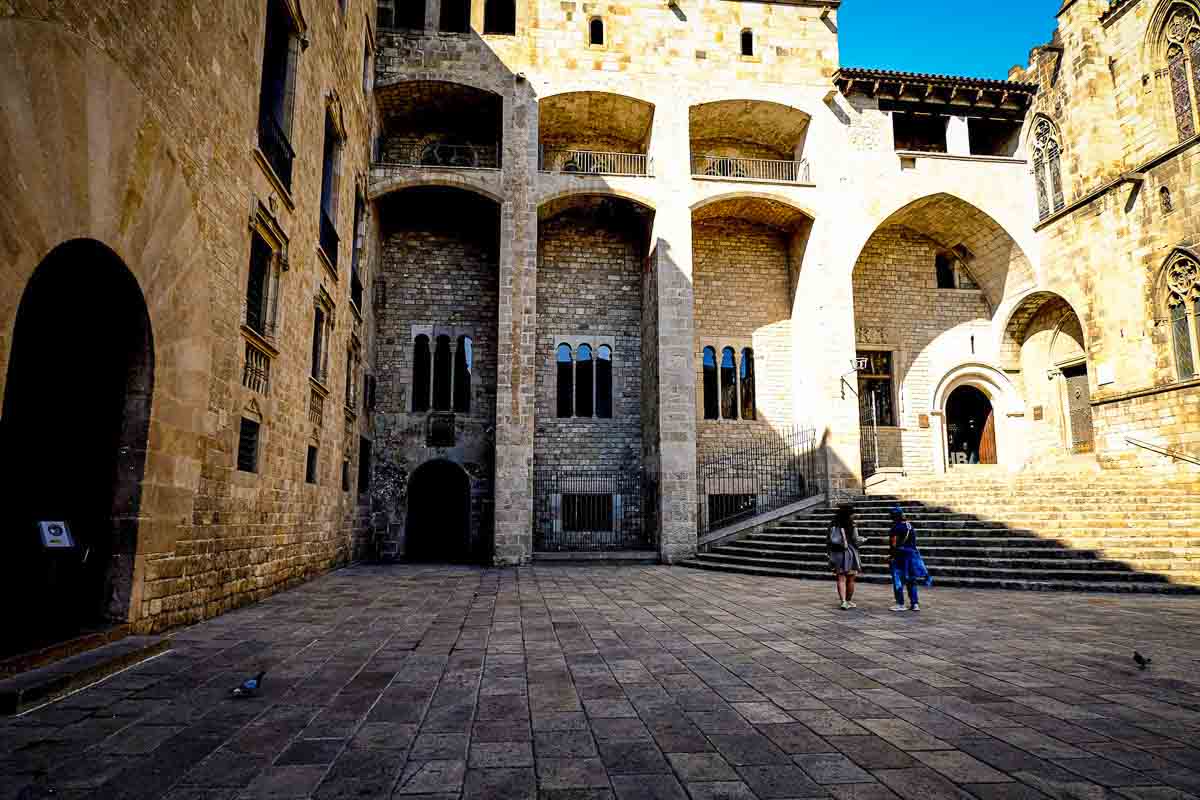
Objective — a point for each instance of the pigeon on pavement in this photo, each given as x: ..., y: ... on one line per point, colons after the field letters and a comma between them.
x: 1141, y: 660
x: 250, y: 686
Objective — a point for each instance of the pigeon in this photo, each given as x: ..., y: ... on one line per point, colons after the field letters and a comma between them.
x: 1141, y: 660
x: 250, y: 686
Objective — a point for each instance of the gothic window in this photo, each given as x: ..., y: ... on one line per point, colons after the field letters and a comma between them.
x: 464, y: 362
x: 747, y: 42
x: 1183, y: 309
x: 875, y: 390
x: 1183, y: 69
x: 746, y: 381
x: 1164, y: 200
x: 596, y: 32
x: 276, y: 90
x: 441, y: 374
x: 566, y: 381
x: 584, y: 378
x: 728, y: 384
x: 604, y: 382
x: 711, y: 403
x: 421, y: 373
x: 1047, y: 168
x: 500, y: 16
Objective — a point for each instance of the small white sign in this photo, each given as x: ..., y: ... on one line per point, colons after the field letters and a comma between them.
x: 55, y: 534
x: 1105, y: 374
x: 860, y: 364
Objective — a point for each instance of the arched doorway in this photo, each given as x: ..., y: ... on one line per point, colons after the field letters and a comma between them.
x: 970, y: 428
x: 439, y: 513
x: 73, y: 437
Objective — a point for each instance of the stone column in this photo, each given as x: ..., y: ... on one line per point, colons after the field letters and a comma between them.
x: 433, y: 14
x: 517, y: 330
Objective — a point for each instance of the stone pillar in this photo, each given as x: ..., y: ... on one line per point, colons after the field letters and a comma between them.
x: 517, y: 331
x: 958, y: 139
x: 674, y: 404
x: 433, y: 15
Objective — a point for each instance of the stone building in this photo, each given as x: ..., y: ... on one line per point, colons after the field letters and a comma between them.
x: 478, y: 279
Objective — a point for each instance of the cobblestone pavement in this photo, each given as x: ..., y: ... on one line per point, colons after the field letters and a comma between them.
x: 638, y: 682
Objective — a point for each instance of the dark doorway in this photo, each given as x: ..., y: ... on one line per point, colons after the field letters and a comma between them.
x: 73, y: 438
x: 439, y: 513
x: 970, y: 427
x: 1079, y: 405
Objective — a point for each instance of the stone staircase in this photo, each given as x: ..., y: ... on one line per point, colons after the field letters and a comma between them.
x: 1044, y: 531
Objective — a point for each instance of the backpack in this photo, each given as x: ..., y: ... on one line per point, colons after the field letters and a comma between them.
x: 837, y: 538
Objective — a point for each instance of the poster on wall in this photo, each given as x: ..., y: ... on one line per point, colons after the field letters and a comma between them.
x: 55, y: 534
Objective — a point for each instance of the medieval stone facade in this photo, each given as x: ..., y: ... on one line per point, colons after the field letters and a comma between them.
x: 477, y: 279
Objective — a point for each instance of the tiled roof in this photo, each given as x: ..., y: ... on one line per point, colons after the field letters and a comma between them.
x: 892, y: 76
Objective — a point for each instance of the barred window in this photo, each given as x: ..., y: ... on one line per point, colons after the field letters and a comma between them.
x: 1047, y: 168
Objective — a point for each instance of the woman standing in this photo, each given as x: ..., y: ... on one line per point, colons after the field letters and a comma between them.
x: 908, y: 569
x: 843, y: 546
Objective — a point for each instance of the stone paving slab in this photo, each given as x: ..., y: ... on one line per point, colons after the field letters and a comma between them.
x: 635, y: 682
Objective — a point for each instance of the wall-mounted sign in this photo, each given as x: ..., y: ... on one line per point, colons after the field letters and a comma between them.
x: 55, y: 534
x: 1105, y: 374
x: 923, y: 420
x: 1038, y: 412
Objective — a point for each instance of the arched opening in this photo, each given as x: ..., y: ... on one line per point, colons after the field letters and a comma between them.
x: 970, y: 428
x: 73, y: 437
x: 596, y: 32
x: 754, y: 139
x: 747, y: 42
x: 439, y: 513
x: 594, y: 133
x: 500, y: 17
x: 439, y: 124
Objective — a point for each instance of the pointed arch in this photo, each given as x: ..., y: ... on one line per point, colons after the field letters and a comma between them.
x: 1179, y: 301
x: 1045, y: 147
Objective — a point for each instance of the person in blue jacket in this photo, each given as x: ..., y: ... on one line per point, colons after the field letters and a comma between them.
x: 908, y: 569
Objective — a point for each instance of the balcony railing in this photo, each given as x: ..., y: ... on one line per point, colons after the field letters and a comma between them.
x: 438, y: 154
x: 316, y: 408
x: 278, y: 150
x: 594, y: 162
x: 256, y: 370
x: 756, y: 169
x: 329, y: 239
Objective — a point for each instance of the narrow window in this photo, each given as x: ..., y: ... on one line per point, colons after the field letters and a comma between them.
x: 318, y: 345
x: 945, y: 271
x: 368, y: 393
x: 729, y: 399
x: 584, y: 381
x: 274, y: 97
x: 1181, y: 97
x: 310, y: 465
x: 566, y: 381
x: 258, y: 285
x: 420, y: 372
x: 1182, y: 338
x: 364, y: 465
x: 747, y: 42
x: 441, y: 374
x: 356, y: 286
x: 1047, y: 168
x: 329, y: 168
x: 711, y: 403
x: 345, y: 474
x: 1054, y: 166
x: 604, y: 382
x: 875, y: 389
x: 596, y: 32
x: 368, y: 68
x: 749, y: 409
x: 464, y: 361
x: 401, y: 14
x: 456, y: 16
x: 1164, y: 200
x: 247, y: 452
x: 500, y: 16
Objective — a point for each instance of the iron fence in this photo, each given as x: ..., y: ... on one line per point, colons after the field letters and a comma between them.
x: 761, y: 169
x: 593, y: 162
x: 275, y: 146
x: 443, y: 154
x: 590, y: 510
x: 753, y: 476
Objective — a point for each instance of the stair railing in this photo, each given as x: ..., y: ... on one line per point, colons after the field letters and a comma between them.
x: 1163, y: 451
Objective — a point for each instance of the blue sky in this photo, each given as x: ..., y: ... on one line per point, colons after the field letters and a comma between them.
x: 980, y: 39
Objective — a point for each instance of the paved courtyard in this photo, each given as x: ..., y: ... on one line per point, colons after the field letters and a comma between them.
x: 638, y: 682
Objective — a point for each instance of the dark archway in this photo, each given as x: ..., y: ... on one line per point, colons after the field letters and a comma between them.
x: 970, y: 427
x: 73, y: 437
x: 439, y: 513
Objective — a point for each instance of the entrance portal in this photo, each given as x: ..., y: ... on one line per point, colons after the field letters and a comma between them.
x: 1079, y: 407
x: 73, y: 438
x: 970, y: 428
x: 439, y: 513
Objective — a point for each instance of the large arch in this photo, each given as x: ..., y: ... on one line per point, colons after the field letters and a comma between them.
x: 440, y: 123
x: 118, y: 160
x: 438, y: 525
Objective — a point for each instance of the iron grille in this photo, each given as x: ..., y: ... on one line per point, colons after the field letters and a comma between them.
x: 592, y: 510
x: 275, y: 146
x: 755, y: 476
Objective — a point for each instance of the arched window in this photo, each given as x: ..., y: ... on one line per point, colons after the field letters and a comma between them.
x: 584, y: 381
x: 1164, y: 200
x: 441, y: 374
x: 1183, y: 67
x: 749, y: 410
x: 747, y: 42
x: 464, y: 360
x: 604, y: 381
x: 596, y: 32
x: 1183, y: 308
x: 420, y: 373
x: 729, y: 398
x: 1047, y: 168
x: 566, y: 381
x: 712, y: 406
x: 500, y: 16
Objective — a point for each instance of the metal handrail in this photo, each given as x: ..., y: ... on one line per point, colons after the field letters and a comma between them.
x: 593, y: 162
x: 764, y: 169
x: 1163, y: 451
x: 443, y: 154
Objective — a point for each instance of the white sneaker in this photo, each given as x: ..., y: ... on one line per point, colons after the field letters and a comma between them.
x: 844, y: 606
x: 851, y: 604
x: 899, y: 608
x: 916, y: 607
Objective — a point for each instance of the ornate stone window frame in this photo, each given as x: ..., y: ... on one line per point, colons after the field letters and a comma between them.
x: 1177, y: 59
x: 1179, y: 287
x: 261, y: 347
x: 1045, y: 148
x: 595, y: 341
x: 455, y: 334
x: 739, y: 345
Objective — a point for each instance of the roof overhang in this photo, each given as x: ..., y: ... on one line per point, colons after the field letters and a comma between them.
x: 947, y: 91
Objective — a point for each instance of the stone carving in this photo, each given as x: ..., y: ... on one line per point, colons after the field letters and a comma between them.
x: 1183, y: 276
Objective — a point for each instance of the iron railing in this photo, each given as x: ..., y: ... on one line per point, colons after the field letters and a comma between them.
x: 275, y: 146
x: 593, y: 162
x: 256, y: 370
x: 758, y: 169
x: 329, y: 239
x: 590, y: 510
x: 755, y: 476
x: 442, y: 154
